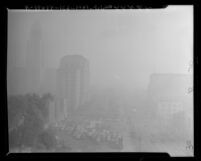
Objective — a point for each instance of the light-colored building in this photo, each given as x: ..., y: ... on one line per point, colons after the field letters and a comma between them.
x: 170, y: 91
x: 170, y: 100
x: 34, y: 59
x: 52, y: 107
x: 28, y: 77
x: 48, y: 84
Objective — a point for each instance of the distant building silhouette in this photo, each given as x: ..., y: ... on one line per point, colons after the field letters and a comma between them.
x: 48, y: 84
x: 16, y: 80
x: 72, y: 84
x: 28, y: 78
x: 34, y: 58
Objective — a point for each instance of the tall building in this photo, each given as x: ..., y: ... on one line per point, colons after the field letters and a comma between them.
x: 28, y: 78
x: 72, y: 84
x: 48, y: 84
x: 16, y: 80
x: 34, y: 58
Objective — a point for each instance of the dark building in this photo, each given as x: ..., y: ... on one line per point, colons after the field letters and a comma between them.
x: 72, y: 84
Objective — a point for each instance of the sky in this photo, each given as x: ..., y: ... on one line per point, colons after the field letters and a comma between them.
x: 124, y: 47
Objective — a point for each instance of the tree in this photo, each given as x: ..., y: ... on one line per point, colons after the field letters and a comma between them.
x: 47, y: 138
x: 16, y: 110
x: 27, y: 115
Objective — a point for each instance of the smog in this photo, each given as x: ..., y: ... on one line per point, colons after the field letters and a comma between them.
x: 101, y: 81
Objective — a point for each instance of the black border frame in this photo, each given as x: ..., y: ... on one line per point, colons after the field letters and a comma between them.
x: 75, y: 5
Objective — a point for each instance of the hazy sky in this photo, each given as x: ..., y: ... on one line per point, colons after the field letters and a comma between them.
x: 123, y: 46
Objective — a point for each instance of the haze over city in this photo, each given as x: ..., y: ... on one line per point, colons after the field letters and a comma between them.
x: 101, y: 80
x: 124, y: 47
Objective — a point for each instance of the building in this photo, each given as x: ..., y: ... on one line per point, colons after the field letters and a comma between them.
x: 16, y: 80
x: 170, y: 100
x: 34, y: 58
x: 48, y: 83
x: 52, y: 109
x: 72, y: 84
x: 28, y: 77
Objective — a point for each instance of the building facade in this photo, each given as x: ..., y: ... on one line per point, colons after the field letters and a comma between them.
x: 72, y: 84
x: 171, y: 102
x: 34, y: 59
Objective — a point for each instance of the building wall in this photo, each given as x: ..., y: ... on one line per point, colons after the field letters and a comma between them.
x: 72, y: 83
x: 169, y: 97
x: 34, y: 59
x: 166, y: 109
x: 52, y: 116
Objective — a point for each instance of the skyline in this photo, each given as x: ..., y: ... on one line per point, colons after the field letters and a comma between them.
x: 124, y: 47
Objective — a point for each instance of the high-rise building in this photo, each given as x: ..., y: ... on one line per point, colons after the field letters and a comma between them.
x: 27, y: 78
x: 34, y: 58
x: 48, y: 84
x: 72, y: 84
